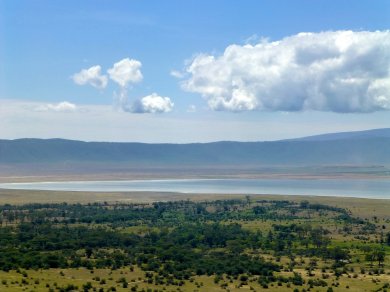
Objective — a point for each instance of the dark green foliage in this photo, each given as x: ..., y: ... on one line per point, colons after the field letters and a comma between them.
x: 317, y: 283
x: 181, y: 239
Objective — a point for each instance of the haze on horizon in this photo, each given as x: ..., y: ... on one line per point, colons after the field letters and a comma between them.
x: 192, y: 71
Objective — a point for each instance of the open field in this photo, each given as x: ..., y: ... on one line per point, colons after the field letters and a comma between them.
x: 72, y: 171
x: 27, y: 196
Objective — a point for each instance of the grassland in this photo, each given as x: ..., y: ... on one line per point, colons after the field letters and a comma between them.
x: 366, y: 208
x: 355, y: 274
x: 43, y: 280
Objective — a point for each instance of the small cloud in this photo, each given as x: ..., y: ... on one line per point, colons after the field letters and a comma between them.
x: 153, y: 104
x: 177, y: 74
x: 62, y: 107
x: 91, y: 76
x: 126, y: 71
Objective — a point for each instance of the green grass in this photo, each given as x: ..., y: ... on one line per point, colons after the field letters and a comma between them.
x: 39, y: 280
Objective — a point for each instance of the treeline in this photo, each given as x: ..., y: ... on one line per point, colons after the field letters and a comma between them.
x: 129, y: 213
x: 161, y: 212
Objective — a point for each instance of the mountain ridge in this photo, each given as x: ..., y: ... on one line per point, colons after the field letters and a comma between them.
x: 370, y: 149
x: 364, y: 134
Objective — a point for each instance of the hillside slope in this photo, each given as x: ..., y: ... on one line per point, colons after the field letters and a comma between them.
x: 353, y: 148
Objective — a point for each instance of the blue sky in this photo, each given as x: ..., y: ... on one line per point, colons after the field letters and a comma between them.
x: 43, y: 44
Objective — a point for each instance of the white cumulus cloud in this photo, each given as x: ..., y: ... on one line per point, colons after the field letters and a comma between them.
x: 339, y: 71
x: 57, y: 107
x: 153, y: 104
x: 126, y: 71
x: 91, y: 76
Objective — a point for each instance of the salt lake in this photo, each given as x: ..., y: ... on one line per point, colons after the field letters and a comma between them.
x: 363, y: 188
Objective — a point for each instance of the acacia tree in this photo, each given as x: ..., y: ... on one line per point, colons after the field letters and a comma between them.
x: 370, y: 257
x: 318, y: 237
x: 380, y: 257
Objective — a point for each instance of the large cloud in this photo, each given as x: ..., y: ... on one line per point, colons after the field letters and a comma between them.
x: 126, y: 71
x: 152, y: 104
x: 91, y: 76
x: 339, y: 71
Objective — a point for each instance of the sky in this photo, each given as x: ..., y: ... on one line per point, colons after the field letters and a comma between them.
x: 192, y: 71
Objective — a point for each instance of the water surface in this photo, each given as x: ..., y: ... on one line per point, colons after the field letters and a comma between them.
x: 369, y: 188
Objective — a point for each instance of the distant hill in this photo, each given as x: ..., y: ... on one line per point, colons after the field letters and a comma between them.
x: 375, y: 133
x: 352, y: 148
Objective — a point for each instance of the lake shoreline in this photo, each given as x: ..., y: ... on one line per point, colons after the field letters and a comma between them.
x: 132, y: 177
x: 378, y: 188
